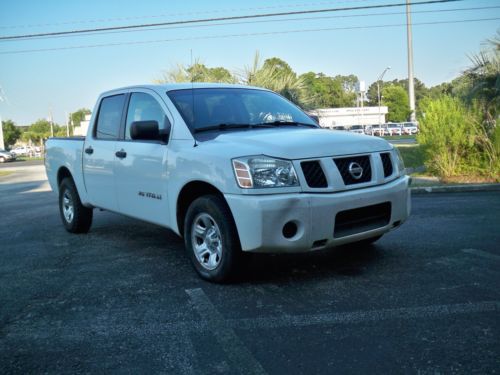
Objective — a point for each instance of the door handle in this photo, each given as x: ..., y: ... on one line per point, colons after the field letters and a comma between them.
x: 121, y: 154
x: 89, y: 150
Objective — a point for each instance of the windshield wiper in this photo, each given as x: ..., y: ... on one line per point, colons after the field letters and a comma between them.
x: 285, y: 123
x: 222, y: 127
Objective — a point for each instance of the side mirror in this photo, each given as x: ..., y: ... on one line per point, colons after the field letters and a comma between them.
x: 145, y: 130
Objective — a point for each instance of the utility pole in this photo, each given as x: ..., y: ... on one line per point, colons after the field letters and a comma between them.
x: 411, y: 88
x: 2, y: 144
x: 51, y: 122
x: 379, y: 79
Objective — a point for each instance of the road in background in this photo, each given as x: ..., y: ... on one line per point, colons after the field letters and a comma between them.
x: 124, y: 298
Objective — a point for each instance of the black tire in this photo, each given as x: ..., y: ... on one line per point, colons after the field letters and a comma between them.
x: 217, y: 232
x: 81, y: 218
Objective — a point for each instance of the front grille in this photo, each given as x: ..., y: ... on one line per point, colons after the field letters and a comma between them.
x: 349, y: 178
x: 314, y: 174
x: 362, y: 219
x: 387, y: 163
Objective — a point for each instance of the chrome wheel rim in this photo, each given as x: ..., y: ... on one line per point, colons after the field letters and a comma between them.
x: 206, y: 241
x: 67, y: 207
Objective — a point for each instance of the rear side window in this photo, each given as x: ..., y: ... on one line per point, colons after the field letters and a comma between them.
x: 110, y: 115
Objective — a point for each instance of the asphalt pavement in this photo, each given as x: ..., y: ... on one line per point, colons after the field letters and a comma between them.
x: 424, y: 299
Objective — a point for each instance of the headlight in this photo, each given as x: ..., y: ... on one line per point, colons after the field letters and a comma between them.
x: 264, y: 172
x: 400, y: 162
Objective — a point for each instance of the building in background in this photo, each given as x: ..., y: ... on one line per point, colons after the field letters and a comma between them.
x: 346, y: 117
x: 82, y: 129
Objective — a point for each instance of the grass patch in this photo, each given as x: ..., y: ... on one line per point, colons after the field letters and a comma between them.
x: 395, y: 137
x: 26, y: 158
x: 5, y: 173
x: 413, y: 155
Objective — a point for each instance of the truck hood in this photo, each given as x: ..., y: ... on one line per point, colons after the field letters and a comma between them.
x: 294, y: 143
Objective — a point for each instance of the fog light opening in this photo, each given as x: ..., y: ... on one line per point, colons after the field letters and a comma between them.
x: 290, y: 229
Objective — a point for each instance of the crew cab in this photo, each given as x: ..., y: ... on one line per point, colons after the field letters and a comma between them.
x: 232, y: 169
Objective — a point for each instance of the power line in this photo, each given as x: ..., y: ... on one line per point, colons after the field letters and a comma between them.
x: 86, y: 31
x: 244, y: 35
x: 269, y: 21
x: 182, y: 14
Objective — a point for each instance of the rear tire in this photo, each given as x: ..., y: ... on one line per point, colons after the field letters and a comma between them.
x: 76, y: 218
x: 211, y: 239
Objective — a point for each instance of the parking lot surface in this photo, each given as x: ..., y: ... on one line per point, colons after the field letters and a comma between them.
x: 124, y: 298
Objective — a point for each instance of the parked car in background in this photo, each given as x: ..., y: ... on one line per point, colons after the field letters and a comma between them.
x: 357, y: 129
x: 394, y: 128
x: 6, y: 156
x: 410, y: 128
x: 21, y: 151
x: 377, y: 130
x: 339, y: 127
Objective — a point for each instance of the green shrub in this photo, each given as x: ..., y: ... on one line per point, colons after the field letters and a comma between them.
x: 455, y: 140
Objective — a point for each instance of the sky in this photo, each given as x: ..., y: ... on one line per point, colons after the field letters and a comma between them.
x: 45, y: 75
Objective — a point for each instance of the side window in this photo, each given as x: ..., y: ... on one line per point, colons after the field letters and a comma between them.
x: 143, y: 107
x: 110, y: 114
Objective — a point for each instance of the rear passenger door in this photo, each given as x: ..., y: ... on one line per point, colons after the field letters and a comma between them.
x: 99, y: 153
x: 141, y: 170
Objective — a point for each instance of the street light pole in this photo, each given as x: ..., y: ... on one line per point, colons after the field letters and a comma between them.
x: 380, y: 77
x: 411, y: 88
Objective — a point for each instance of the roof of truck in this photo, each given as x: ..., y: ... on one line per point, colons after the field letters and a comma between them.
x: 186, y: 85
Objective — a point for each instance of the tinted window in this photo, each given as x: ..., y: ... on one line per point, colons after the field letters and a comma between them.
x: 143, y: 107
x: 201, y: 108
x: 110, y: 114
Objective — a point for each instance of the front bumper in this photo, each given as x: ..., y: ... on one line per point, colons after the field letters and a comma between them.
x: 260, y: 218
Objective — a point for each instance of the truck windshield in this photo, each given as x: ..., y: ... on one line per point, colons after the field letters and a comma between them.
x: 225, y: 108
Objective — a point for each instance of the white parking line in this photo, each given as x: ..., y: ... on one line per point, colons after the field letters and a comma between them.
x: 406, y: 313
x: 240, y: 357
x: 481, y: 253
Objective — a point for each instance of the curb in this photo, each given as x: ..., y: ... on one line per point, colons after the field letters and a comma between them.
x: 455, y: 188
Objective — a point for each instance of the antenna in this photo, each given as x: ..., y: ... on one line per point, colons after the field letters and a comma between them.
x: 192, y: 94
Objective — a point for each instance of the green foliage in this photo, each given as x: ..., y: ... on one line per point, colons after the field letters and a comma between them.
x: 40, y: 130
x: 484, y: 78
x: 413, y: 155
x: 327, y: 92
x: 11, y: 133
x: 396, y: 99
x: 455, y: 141
x: 197, y: 72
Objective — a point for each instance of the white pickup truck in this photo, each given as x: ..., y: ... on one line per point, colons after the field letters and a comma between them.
x: 232, y: 169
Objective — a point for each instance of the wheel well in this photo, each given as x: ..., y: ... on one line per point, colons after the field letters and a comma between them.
x: 62, y: 174
x: 188, y: 194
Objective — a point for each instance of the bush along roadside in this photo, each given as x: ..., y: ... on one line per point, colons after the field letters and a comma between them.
x: 458, y: 145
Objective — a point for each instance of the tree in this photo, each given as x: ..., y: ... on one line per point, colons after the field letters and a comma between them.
x: 484, y: 78
x: 327, y: 92
x: 11, y: 133
x: 39, y: 131
x: 197, y: 72
x: 277, y: 76
x: 396, y: 99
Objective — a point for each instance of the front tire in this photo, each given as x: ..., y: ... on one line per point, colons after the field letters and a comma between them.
x: 76, y: 218
x: 211, y: 239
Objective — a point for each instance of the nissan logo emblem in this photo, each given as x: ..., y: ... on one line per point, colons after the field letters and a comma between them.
x: 355, y: 170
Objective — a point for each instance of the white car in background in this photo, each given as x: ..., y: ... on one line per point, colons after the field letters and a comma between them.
x: 377, y: 130
x: 394, y: 128
x: 21, y: 151
x: 357, y: 129
x: 410, y: 128
x: 6, y: 156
